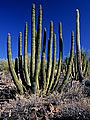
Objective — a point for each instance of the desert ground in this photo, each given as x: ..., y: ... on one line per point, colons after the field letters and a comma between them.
x: 73, y: 103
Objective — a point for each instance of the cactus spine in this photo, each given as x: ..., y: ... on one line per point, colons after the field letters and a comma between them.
x: 69, y: 64
x: 25, y: 56
x: 60, y: 57
x: 79, y: 65
x: 53, y: 64
x: 11, y: 67
x: 49, y: 62
x: 38, y: 50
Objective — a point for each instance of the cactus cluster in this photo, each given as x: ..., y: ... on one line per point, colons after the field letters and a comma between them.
x: 42, y: 74
x: 85, y: 65
x: 80, y: 61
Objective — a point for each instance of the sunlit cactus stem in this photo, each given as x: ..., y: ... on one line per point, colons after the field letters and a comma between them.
x: 60, y: 57
x: 79, y: 64
x: 69, y: 64
x: 53, y: 64
x: 35, y: 41
x: 32, y: 46
x: 49, y: 61
x: 43, y: 72
x: 25, y: 57
x: 38, y: 50
x: 20, y: 44
x: 11, y: 66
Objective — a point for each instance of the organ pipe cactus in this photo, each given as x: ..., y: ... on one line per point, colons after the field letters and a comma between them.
x: 84, y: 60
x: 11, y: 66
x: 53, y: 64
x: 69, y: 64
x: 20, y: 59
x: 75, y: 65
x: 32, y: 45
x: 25, y: 57
x: 47, y: 81
x: 38, y: 50
x: 43, y: 73
x: 79, y: 64
x: 73, y: 70
x: 87, y: 65
x: 49, y: 62
x: 60, y: 57
x: 17, y: 66
x: 20, y: 45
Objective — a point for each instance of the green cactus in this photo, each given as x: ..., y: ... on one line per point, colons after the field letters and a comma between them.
x: 32, y: 45
x: 87, y: 66
x: 20, y: 59
x: 35, y: 42
x: 49, y: 62
x: 21, y: 71
x: 60, y: 57
x: 38, y: 50
x: 75, y: 65
x: 69, y: 64
x: 43, y: 72
x: 20, y: 45
x: 17, y: 66
x: 84, y: 59
x: 53, y: 64
x: 73, y: 70
x: 47, y: 82
x: 25, y: 57
x: 79, y: 64
x: 11, y: 67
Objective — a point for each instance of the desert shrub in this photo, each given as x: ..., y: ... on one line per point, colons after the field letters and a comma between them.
x: 4, y: 65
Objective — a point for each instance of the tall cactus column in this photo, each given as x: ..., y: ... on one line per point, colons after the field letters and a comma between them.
x: 33, y: 46
x: 38, y: 50
x: 25, y: 57
x: 20, y: 58
x: 60, y: 57
x: 43, y: 72
x: 69, y: 64
x: 53, y: 64
x: 11, y: 66
x: 49, y: 62
x: 79, y: 65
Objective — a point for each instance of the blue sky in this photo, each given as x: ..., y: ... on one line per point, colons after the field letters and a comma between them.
x: 14, y: 14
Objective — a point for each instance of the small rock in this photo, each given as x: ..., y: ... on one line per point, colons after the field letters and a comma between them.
x: 51, y: 107
x: 56, y: 109
x: 87, y: 83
